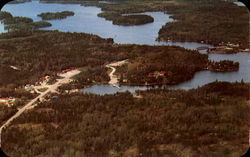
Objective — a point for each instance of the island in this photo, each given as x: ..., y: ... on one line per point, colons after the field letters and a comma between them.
x: 126, y: 20
x: 17, y: 23
x: 45, y: 112
x: 18, y: 1
x: 5, y: 15
x: 56, y: 15
x: 223, y: 66
x: 25, y: 57
x: 194, y: 21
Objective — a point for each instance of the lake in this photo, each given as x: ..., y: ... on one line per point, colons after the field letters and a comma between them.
x: 240, y: 4
x: 87, y: 21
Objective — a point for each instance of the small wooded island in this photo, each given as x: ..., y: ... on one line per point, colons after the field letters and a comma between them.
x: 14, y: 23
x: 211, y: 120
x: 56, y: 15
x: 192, y: 21
x: 224, y: 66
x: 126, y: 20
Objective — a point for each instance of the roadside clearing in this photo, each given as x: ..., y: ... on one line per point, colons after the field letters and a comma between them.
x: 66, y: 78
x: 113, y: 78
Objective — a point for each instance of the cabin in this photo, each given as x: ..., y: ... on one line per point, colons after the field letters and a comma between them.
x: 158, y: 74
x: 7, y: 101
x: 29, y: 88
x: 151, y: 75
x: 68, y: 69
x: 125, y: 80
x: 4, y: 100
x: 162, y: 73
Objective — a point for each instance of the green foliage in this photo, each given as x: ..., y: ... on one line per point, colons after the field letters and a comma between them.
x: 208, y: 21
x: 5, y: 15
x: 126, y: 20
x: 35, y: 52
x: 211, y: 21
x: 18, y: 1
x: 17, y: 20
x: 56, y: 15
x: 17, y: 93
x: 91, y: 75
x: 178, y: 66
x: 27, y: 26
x: 20, y: 24
x: 40, y: 24
x: 6, y: 113
x: 224, y: 66
x: 133, y: 20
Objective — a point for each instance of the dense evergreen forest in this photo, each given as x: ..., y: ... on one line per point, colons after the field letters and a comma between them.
x: 18, y: 23
x: 35, y: 54
x: 209, y: 121
x: 56, y: 15
x: 174, y: 65
x: 33, y: 59
x: 208, y: 21
x: 126, y: 20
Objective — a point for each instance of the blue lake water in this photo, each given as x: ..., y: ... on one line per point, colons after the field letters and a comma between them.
x: 240, y: 4
x: 87, y: 21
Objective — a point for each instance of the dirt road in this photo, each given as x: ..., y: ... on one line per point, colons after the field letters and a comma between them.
x: 52, y: 88
x: 113, y: 78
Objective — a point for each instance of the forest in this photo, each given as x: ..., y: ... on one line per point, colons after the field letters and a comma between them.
x: 56, y: 15
x: 174, y: 65
x: 34, y: 60
x: 126, y: 20
x: 224, y: 66
x: 18, y: 1
x: 17, y: 23
x: 214, y: 22
x: 26, y: 51
x: 207, y: 121
x: 209, y: 21
x: 169, y: 66
x: 211, y: 120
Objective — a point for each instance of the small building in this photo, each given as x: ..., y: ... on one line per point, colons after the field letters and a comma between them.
x: 7, y: 101
x: 162, y: 73
x: 4, y: 100
x: 151, y: 75
x: 125, y: 80
x: 68, y: 69
x: 158, y: 74
x: 28, y: 88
